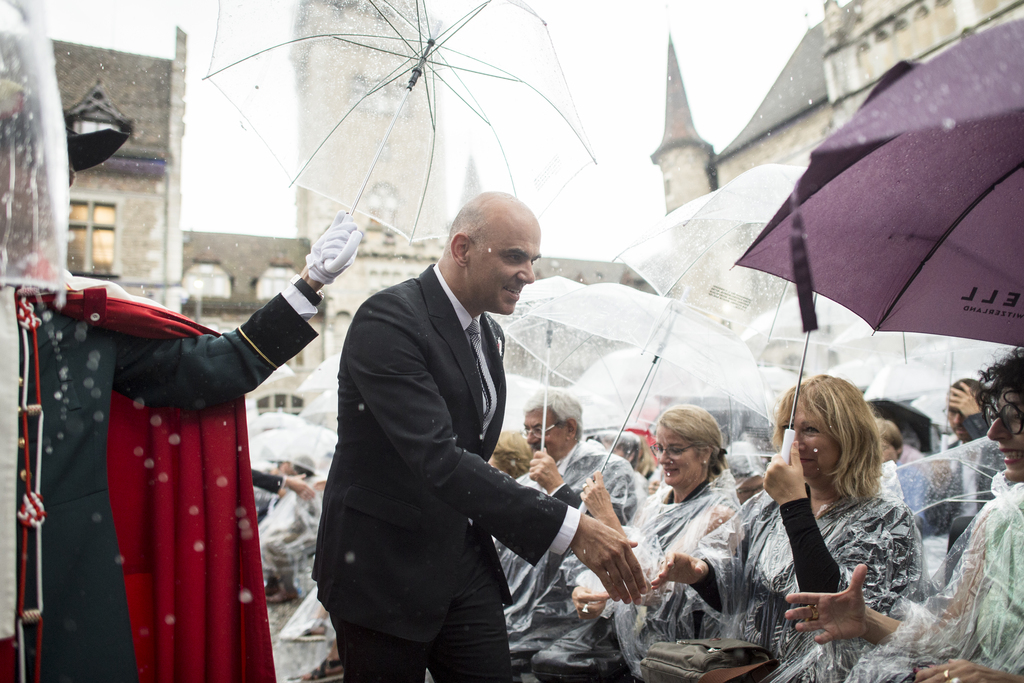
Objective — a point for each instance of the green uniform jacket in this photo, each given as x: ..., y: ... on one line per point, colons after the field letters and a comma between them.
x: 87, y: 635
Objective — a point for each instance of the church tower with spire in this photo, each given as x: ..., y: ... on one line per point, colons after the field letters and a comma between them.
x: 685, y: 158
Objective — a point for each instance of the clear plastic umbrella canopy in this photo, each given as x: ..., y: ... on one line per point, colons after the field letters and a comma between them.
x: 619, y: 377
x: 948, y: 485
x: 320, y: 83
x: 322, y: 410
x: 287, y: 442
x: 689, y: 254
x: 33, y: 154
x: 578, y: 330
x: 324, y: 376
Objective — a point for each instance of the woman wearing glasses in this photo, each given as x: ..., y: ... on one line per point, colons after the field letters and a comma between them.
x: 971, y: 630
x: 817, y: 518
x: 693, y: 503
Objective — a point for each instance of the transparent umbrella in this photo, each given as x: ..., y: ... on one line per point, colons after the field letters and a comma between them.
x: 324, y: 376
x: 322, y: 410
x: 944, y: 487
x: 575, y: 331
x: 622, y: 375
x: 33, y: 155
x: 282, y: 444
x: 689, y: 254
x: 416, y: 86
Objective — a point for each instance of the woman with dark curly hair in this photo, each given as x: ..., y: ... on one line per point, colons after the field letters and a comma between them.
x: 971, y: 630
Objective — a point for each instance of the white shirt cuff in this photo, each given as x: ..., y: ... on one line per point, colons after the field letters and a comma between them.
x: 299, y: 302
x: 567, y: 532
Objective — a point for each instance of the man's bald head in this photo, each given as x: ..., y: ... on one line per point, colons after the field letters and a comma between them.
x: 474, y: 219
x: 491, y: 248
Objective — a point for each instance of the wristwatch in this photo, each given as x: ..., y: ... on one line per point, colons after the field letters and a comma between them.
x: 312, y: 296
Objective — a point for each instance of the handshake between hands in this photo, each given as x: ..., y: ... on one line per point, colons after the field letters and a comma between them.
x: 335, y: 251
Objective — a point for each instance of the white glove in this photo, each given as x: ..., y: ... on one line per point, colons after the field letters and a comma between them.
x: 335, y: 250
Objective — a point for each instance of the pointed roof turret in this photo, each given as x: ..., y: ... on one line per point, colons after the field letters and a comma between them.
x: 471, y: 183
x: 679, y: 128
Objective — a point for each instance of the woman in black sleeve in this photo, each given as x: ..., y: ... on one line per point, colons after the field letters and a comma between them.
x: 817, y: 519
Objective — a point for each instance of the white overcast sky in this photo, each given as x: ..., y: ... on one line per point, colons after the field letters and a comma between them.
x: 613, y: 55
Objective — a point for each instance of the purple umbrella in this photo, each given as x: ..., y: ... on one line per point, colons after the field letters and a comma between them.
x: 914, y: 210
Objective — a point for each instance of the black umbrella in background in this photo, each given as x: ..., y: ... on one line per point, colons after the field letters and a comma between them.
x: 902, y: 415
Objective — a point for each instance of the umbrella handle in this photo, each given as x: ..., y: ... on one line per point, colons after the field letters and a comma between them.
x: 787, y: 444
x: 346, y: 253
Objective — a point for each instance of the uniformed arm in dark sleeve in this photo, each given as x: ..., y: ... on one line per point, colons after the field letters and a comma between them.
x: 267, y: 482
x: 389, y: 369
x: 565, y: 494
x: 196, y: 372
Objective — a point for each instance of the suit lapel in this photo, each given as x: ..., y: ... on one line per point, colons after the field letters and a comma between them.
x: 446, y: 322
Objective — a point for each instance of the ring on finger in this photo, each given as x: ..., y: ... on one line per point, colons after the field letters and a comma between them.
x: 946, y: 674
x: 814, y: 613
x: 586, y: 608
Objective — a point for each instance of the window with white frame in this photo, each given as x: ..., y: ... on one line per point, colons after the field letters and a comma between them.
x: 273, y: 281
x: 207, y: 280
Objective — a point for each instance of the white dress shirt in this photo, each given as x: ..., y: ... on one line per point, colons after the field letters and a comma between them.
x: 572, y: 515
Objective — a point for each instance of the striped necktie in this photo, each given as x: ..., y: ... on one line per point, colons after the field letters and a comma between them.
x: 481, y: 366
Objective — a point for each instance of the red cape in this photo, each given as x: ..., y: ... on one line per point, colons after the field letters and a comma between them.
x: 182, y: 498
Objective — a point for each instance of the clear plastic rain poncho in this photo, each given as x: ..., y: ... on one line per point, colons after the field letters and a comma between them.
x: 668, y: 613
x: 297, y: 650
x: 288, y: 531
x: 541, y: 609
x: 753, y: 564
x: 946, y: 486
x: 978, y: 614
x: 660, y: 527
x: 33, y: 154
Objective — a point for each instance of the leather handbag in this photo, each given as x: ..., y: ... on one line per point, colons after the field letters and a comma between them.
x: 711, y: 660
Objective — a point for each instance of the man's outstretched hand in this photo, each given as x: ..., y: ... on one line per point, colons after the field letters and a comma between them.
x: 609, y: 554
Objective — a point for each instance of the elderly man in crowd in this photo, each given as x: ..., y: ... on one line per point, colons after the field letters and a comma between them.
x: 542, y: 609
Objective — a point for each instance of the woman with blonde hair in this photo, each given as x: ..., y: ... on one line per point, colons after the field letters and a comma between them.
x: 971, y: 630
x: 696, y: 500
x: 819, y: 516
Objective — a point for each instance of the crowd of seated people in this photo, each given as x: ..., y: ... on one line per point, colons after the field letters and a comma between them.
x: 541, y: 609
x: 970, y: 628
x: 288, y: 530
x: 828, y: 529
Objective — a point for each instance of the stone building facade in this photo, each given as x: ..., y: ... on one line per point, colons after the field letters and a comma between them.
x: 124, y: 221
x: 228, y: 277
x: 825, y: 80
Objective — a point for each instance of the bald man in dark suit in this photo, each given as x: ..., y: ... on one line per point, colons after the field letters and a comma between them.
x: 405, y: 563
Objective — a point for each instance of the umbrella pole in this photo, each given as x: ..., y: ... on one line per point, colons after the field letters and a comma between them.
x: 416, y: 73
x: 650, y: 373
x: 547, y: 381
x: 789, y: 436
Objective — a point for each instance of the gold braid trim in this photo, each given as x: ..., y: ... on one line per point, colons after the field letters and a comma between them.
x: 256, y: 348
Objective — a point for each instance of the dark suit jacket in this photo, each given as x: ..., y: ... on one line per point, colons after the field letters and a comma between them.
x: 411, y: 467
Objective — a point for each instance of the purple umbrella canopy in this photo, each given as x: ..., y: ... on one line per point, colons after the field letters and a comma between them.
x: 914, y: 209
